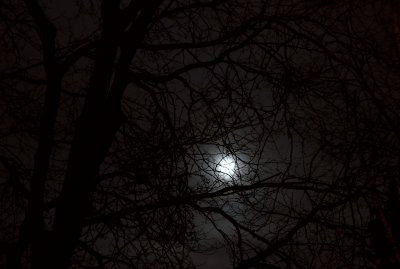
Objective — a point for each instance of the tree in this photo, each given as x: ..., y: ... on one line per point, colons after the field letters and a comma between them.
x: 118, y: 118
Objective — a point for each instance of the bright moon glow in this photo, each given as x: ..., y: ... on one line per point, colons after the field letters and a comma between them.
x: 226, y: 167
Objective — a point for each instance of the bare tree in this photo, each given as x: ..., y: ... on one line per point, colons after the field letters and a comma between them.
x: 137, y: 134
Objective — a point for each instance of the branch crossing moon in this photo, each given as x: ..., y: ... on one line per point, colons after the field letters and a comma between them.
x: 226, y: 168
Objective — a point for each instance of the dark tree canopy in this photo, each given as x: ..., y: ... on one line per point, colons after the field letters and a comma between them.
x: 152, y: 134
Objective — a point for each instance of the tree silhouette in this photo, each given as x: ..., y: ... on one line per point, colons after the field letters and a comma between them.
x: 119, y: 117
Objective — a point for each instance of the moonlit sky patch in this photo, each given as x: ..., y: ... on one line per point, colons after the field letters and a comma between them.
x: 226, y: 167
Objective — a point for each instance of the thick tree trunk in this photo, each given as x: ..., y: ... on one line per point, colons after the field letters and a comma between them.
x: 96, y: 128
x: 92, y: 142
x: 100, y: 120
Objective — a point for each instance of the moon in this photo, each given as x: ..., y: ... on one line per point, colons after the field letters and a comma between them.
x: 226, y: 167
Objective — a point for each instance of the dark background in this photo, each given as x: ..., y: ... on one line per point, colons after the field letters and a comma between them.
x: 115, y: 116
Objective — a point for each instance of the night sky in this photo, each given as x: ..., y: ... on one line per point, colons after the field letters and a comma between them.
x: 199, y: 134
